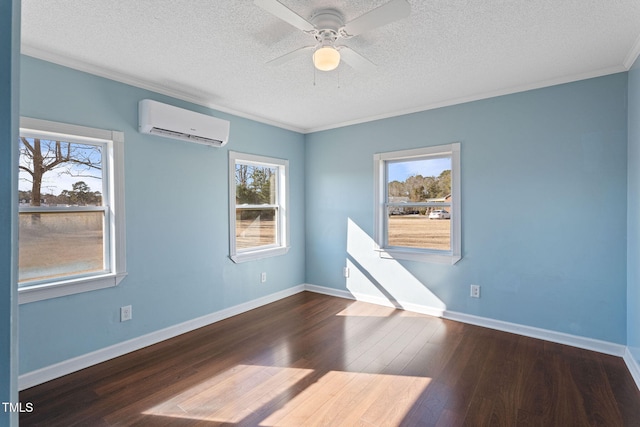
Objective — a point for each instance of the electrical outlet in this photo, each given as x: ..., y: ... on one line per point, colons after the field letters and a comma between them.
x: 475, y: 291
x: 126, y: 313
x: 263, y: 277
x: 345, y: 272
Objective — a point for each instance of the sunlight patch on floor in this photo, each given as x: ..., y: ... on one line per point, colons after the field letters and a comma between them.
x: 232, y: 395
x: 337, y: 398
x: 363, y: 309
x: 351, y: 398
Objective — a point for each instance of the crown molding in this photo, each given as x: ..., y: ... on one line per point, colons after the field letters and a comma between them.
x: 478, y: 97
x: 633, y: 54
x: 206, y: 102
x: 145, y: 84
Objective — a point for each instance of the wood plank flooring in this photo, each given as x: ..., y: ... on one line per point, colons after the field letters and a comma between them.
x: 312, y: 360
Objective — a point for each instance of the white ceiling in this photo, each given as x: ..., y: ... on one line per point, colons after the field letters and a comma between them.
x: 214, y: 52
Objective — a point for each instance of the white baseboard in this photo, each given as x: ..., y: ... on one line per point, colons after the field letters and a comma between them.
x: 633, y: 366
x: 585, y: 343
x: 65, y: 367
x: 57, y: 370
x: 528, y: 331
x: 600, y: 346
x: 328, y: 291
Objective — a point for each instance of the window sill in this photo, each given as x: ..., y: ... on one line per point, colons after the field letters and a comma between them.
x: 68, y: 287
x: 409, y: 255
x: 258, y: 254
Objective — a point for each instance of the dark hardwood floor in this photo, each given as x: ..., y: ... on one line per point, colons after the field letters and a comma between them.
x: 312, y: 359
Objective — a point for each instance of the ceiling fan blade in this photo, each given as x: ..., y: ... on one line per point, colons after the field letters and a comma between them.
x: 289, y: 56
x: 281, y: 11
x: 383, y: 15
x: 356, y: 60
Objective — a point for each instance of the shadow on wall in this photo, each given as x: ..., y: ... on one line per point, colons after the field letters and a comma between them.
x: 384, y: 281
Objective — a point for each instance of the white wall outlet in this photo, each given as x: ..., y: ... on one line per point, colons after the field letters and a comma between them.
x: 345, y: 272
x: 126, y: 313
x: 263, y: 277
x: 475, y: 291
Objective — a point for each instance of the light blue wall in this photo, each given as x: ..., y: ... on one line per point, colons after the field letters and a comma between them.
x: 9, y: 78
x: 544, y: 208
x: 544, y: 176
x: 176, y: 219
x: 633, y: 215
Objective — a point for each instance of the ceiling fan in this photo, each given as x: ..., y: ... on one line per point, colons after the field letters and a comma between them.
x: 327, y: 26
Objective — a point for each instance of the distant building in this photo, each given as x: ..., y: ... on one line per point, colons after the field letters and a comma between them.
x: 445, y: 199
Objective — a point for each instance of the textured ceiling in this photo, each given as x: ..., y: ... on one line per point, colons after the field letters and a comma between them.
x: 214, y: 52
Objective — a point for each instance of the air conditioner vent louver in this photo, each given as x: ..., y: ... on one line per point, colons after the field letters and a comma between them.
x: 177, y: 123
x: 177, y: 135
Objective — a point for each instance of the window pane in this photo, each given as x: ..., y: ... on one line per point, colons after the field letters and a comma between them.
x: 56, y: 244
x: 256, y: 185
x: 256, y: 227
x: 421, y: 180
x: 418, y: 230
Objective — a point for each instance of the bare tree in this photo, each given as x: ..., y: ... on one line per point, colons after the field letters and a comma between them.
x: 39, y: 156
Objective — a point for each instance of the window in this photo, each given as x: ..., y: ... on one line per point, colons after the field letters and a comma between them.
x: 418, y: 204
x: 71, y: 209
x: 258, y: 200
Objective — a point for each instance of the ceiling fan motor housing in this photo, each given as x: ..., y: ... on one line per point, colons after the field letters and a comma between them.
x: 328, y: 23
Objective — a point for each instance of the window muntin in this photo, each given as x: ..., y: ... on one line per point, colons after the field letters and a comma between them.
x: 417, y: 204
x: 71, y: 209
x: 258, y: 200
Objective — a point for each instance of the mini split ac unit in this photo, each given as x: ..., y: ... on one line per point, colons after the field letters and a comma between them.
x: 172, y: 122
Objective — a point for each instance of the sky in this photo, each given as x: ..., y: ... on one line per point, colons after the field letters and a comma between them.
x: 54, y: 181
x: 400, y: 171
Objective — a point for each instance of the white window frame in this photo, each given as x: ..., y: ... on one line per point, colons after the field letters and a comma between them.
x: 282, y: 203
x: 451, y: 256
x: 113, y: 201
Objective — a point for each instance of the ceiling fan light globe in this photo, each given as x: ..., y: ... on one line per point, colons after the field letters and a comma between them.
x: 326, y: 58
